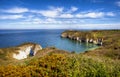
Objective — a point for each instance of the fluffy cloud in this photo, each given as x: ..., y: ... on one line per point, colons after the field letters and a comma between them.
x: 15, y: 10
x: 53, y: 12
x: 66, y: 16
x: 49, y: 13
x: 61, y: 13
x: 54, y: 15
x: 90, y: 15
x: 58, y: 12
x: 11, y: 16
x: 94, y: 14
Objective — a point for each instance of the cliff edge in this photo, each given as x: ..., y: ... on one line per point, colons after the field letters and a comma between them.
x: 20, y: 52
x: 89, y: 36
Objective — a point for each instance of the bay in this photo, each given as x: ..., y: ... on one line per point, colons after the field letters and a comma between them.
x: 44, y: 37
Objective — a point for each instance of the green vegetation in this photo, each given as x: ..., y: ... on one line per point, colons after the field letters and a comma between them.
x: 6, y: 53
x: 111, y: 45
x: 52, y: 62
x: 84, y: 34
x: 57, y: 65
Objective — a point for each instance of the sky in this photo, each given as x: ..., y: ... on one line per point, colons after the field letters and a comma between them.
x: 59, y: 14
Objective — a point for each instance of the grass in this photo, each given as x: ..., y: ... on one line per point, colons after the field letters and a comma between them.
x: 111, y: 45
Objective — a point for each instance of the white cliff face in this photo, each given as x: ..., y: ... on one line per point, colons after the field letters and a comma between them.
x: 25, y: 51
x: 21, y: 55
x: 28, y: 49
x: 37, y: 47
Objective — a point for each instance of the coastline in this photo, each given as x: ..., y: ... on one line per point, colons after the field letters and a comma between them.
x: 55, y: 62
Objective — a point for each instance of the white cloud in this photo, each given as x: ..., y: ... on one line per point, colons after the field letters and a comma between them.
x: 79, y: 16
x: 11, y: 16
x: 74, y: 9
x: 71, y: 10
x: 110, y: 14
x: 94, y: 15
x: 54, y: 12
x: 16, y: 10
x: 60, y: 9
x: 43, y: 21
x: 49, y: 13
x: 66, y: 16
x: 60, y: 12
x: 90, y: 15
x: 50, y: 19
x: 56, y: 15
x: 118, y: 3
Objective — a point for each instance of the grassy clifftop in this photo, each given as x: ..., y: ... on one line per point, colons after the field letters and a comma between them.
x: 7, y: 54
x: 111, y: 45
x: 52, y: 62
x: 110, y: 41
x: 84, y: 34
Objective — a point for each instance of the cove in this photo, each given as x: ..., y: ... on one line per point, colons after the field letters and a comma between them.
x: 46, y: 38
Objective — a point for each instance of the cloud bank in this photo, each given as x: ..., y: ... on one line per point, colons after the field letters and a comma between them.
x: 55, y: 16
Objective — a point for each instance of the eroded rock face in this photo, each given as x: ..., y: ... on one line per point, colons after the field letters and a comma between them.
x: 26, y: 49
x: 83, y: 37
x: 64, y: 35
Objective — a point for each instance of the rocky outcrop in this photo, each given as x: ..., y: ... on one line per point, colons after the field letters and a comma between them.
x: 88, y: 37
x: 25, y: 50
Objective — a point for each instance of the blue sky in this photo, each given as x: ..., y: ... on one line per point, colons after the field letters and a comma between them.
x: 59, y: 14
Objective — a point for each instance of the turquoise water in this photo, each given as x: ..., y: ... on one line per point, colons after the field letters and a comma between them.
x: 46, y: 38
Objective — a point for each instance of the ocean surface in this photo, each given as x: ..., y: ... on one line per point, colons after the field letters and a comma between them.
x: 46, y: 38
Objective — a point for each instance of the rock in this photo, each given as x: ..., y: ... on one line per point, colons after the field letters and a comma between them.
x: 36, y: 48
x: 94, y: 41
x: 64, y: 35
x: 70, y: 36
x: 77, y: 38
x: 100, y: 43
x: 87, y: 40
x: 26, y: 49
x: 91, y: 40
x: 83, y: 37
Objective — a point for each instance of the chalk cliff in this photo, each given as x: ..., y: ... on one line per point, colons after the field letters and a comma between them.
x: 26, y: 49
x: 81, y: 36
x: 20, y: 52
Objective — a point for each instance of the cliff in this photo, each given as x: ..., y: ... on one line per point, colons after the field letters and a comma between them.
x: 81, y: 36
x: 20, y: 52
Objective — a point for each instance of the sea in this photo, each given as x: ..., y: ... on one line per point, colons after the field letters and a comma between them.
x: 44, y: 37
